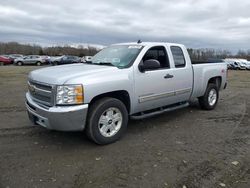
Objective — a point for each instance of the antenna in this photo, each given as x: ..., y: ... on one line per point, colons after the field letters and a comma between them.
x: 139, y: 41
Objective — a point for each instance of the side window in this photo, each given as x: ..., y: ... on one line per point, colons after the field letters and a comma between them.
x: 179, y: 59
x: 157, y: 53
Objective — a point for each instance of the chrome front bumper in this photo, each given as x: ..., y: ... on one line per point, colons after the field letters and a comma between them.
x: 61, y: 118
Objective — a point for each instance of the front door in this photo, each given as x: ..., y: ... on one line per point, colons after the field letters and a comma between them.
x: 155, y: 88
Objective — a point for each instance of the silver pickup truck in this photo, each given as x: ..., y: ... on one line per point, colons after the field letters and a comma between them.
x: 129, y: 80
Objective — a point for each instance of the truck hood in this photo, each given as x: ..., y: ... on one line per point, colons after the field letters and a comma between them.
x: 60, y: 74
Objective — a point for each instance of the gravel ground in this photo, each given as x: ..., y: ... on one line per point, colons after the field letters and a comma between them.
x: 188, y: 148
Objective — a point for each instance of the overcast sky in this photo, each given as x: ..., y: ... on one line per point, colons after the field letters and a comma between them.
x: 196, y: 23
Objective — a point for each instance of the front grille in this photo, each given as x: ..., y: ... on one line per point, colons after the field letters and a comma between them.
x: 41, y: 93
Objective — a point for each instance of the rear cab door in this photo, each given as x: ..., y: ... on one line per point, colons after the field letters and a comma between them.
x: 182, y: 71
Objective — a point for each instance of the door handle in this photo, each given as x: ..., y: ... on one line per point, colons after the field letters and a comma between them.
x: 168, y: 76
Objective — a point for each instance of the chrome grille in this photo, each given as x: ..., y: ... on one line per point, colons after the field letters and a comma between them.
x: 41, y: 93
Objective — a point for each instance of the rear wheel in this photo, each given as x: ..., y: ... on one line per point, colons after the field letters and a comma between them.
x: 38, y: 63
x: 210, y: 99
x: 107, y: 121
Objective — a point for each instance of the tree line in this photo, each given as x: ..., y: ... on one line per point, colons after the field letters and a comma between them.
x: 208, y: 53
x: 28, y: 49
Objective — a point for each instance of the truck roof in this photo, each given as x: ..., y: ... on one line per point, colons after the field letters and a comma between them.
x: 150, y: 43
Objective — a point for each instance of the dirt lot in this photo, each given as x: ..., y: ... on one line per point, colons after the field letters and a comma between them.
x: 188, y: 147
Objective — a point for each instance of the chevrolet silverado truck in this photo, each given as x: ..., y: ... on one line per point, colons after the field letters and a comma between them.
x: 128, y: 80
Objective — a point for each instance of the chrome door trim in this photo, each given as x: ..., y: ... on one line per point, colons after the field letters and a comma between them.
x: 183, y: 91
x: 155, y: 96
x: 151, y: 97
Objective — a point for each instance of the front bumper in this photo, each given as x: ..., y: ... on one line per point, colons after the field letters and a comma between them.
x: 61, y: 118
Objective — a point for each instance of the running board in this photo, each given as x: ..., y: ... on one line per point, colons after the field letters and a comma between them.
x: 161, y: 110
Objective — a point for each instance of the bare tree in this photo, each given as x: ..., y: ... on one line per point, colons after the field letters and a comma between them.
x: 28, y: 49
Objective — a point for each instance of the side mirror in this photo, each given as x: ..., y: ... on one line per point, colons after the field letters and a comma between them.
x: 150, y: 64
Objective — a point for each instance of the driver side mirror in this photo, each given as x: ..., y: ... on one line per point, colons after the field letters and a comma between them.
x: 150, y: 64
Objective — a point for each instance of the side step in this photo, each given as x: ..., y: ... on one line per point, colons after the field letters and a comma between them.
x: 161, y: 110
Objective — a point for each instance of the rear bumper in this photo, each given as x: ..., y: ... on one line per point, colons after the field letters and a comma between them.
x: 61, y: 118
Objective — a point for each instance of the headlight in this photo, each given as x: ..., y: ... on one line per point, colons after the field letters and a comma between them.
x: 69, y: 94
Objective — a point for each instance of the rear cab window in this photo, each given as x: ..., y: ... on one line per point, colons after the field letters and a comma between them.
x: 178, y: 56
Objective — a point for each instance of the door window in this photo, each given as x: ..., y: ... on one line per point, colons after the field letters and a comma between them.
x: 157, y: 53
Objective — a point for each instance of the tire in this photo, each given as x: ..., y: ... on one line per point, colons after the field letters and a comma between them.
x: 38, y: 63
x: 55, y: 63
x: 1, y: 63
x: 19, y: 63
x: 105, y: 133
x: 210, y: 98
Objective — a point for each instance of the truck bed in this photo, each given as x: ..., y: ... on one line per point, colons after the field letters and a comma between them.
x: 203, y: 72
x: 207, y: 61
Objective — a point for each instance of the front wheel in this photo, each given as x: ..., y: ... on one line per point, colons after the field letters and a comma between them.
x: 210, y: 99
x: 107, y: 121
x: 38, y: 63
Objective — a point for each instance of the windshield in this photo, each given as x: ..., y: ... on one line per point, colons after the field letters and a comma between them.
x: 120, y: 56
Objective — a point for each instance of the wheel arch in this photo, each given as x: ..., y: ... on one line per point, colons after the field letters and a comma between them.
x: 215, y: 80
x: 121, y: 95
